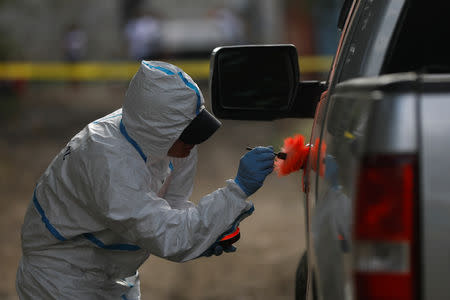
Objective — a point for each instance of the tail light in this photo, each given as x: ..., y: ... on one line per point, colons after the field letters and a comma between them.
x: 385, y: 235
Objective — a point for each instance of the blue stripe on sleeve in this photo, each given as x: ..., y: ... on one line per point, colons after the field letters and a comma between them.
x: 125, y: 247
x: 88, y: 236
x: 44, y: 219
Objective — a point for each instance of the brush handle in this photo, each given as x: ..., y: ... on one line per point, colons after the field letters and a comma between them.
x: 280, y: 155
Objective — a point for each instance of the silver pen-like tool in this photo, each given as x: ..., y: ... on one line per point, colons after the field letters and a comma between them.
x: 280, y: 155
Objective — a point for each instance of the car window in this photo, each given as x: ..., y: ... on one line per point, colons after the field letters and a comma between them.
x: 419, y: 44
x: 370, y: 37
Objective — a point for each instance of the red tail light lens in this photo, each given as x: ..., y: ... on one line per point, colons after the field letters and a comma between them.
x: 383, y: 286
x: 384, y: 235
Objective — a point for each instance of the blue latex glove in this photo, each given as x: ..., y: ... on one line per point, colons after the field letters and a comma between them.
x: 253, y: 169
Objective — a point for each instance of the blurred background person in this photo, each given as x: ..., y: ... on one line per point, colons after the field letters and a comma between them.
x: 143, y: 35
x: 74, y: 43
x: 74, y: 47
x: 230, y: 24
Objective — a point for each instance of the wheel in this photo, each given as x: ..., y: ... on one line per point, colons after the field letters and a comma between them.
x: 301, y: 278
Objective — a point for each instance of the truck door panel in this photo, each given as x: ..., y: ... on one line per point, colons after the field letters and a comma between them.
x: 345, y: 120
x: 434, y: 192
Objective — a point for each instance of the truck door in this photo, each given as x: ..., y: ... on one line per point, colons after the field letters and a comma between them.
x: 365, y: 36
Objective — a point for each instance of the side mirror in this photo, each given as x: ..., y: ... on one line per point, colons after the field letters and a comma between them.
x: 260, y: 82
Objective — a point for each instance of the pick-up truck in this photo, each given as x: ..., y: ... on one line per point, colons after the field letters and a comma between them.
x: 377, y: 193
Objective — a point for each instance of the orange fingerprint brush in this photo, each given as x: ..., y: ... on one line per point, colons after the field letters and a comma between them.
x: 296, y: 154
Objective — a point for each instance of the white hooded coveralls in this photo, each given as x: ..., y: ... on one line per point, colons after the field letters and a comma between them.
x: 112, y: 197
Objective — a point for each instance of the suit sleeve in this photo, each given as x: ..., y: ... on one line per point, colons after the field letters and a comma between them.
x: 179, y: 185
x: 127, y: 206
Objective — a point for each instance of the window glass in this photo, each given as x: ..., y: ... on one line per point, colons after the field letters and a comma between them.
x: 263, y: 79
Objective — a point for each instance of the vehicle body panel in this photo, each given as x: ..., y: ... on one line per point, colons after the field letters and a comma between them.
x: 435, y: 165
x: 359, y: 56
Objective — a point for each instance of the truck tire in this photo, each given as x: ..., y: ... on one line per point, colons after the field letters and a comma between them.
x: 301, y: 278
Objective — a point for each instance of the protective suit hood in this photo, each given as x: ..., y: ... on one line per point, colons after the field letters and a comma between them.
x: 160, y: 102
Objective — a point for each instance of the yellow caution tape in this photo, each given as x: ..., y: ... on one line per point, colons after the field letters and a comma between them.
x: 315, y: 64
x: 94, y: 71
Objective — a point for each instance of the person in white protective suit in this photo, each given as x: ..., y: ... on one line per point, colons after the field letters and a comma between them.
x: 119, y: 191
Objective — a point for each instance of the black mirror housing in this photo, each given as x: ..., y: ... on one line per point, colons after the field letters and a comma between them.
x: 259, y: 82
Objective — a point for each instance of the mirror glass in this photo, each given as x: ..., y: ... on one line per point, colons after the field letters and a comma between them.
x: 259, y: 78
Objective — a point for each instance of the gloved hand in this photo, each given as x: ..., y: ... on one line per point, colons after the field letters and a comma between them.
x: 217, y: 249
x: 225, y: 242
x: 253, y: 169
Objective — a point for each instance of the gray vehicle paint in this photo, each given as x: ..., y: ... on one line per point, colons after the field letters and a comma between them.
x: 328, y: 201
x: 435, y: 189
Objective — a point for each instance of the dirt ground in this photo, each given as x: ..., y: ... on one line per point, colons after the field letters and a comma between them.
x: 47, y: 115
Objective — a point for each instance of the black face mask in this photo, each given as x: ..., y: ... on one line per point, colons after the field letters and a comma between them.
x: 200, y: 129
